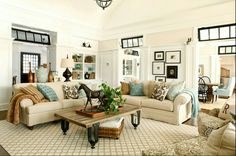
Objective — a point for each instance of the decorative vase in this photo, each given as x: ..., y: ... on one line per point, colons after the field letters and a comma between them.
x: 30, y: 75
x: 50, y: 75
x: 42, y: 75
x: 86, y: 75
x: 34, y: 76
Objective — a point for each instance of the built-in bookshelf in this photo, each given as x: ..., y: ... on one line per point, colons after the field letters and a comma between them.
x: 85, y: 66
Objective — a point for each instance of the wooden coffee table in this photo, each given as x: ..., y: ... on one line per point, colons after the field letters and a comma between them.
x: 92, y: 124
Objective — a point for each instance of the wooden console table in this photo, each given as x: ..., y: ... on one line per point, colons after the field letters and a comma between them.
x: 92, y: 124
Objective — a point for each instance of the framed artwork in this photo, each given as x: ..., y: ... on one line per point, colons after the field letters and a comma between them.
x: 173, y: 56
x: 159, y: 55
x: 158, y: 68
x: 160, y: 78
x: 172, y: 72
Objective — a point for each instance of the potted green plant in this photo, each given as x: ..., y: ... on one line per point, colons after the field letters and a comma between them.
x: 112, y: 98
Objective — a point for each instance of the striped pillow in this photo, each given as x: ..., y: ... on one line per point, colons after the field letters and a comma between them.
x: 48, y: 92
x: 31, y: 90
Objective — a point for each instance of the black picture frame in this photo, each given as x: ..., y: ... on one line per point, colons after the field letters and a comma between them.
x: 160, y: 78
x: 158, y: 68
x: 172, y: 72
x: 159, y: 55
x: 173, y: 57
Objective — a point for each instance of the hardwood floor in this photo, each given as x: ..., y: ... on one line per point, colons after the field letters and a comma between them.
x: 3, y: 115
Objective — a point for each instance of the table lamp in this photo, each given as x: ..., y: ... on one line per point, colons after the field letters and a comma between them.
x: 67, y: 63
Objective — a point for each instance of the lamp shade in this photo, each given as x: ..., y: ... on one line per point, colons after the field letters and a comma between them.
x: 67, y: 63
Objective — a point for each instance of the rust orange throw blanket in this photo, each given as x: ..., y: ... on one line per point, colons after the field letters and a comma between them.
x: 13, y: 114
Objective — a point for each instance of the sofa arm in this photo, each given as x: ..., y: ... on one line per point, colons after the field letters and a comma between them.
x: 182, y: 98
x: 26, y: 103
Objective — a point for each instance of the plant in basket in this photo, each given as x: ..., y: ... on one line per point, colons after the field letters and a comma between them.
x: 112, y: 98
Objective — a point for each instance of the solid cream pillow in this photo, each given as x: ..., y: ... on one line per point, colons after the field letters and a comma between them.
x: 221, y: 141
x: 225, y: 111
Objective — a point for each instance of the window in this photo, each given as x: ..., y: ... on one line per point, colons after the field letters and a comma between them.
x: 29, y: 36
x: 217, y: 32
x: 132, y: 42
x: 229, y: 49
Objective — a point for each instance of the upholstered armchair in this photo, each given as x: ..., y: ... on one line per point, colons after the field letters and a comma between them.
x: 216, y: 137
x: 226, y: 91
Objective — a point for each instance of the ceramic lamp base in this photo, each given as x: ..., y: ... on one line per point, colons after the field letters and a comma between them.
x: 67, y: 74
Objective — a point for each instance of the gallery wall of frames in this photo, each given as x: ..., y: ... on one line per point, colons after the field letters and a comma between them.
x: 165, y: 64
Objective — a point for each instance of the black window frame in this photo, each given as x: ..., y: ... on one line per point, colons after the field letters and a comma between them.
x: 216, y: 27
x: 132, y: 39
x: 34, y: 33
x: 224, y: 47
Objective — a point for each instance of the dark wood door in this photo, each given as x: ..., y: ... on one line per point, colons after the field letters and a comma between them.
x: 25, y: 58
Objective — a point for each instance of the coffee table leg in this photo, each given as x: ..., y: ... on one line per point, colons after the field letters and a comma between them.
x: 135, y: 120
x: 93, y: 134
x: 64, y: 126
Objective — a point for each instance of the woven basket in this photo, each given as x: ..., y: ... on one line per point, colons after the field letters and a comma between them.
x: 111, y: 132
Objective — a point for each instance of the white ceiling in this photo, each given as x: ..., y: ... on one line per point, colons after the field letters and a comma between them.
x: 124, y: 13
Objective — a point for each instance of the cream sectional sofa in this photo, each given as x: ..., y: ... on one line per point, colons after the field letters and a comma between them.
x: 174, y: 112
x: 33, y: 114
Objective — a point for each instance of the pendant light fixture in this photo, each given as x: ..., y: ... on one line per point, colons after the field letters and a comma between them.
x: 104, y: 3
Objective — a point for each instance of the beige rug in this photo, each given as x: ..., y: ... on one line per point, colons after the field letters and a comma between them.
x: 47, y: 139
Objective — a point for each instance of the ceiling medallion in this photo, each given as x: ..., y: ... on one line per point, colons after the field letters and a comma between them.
x: 104, y: 3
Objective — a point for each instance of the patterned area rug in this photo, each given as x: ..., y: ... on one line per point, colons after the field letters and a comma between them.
x: 47, y: 139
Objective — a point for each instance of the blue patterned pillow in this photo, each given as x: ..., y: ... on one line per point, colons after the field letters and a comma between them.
x: 48, y: 92
x: 175, y: 90
x: 136, y: 89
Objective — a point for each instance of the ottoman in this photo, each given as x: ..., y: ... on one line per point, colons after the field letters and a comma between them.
x: 111, y: 129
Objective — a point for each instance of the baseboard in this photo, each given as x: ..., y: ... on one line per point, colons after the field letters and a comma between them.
x: 3, y: 106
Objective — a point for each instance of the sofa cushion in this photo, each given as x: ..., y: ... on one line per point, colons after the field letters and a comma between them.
x: 32, y: 90
x: 225, y: 111
x: 175, y: 90
x: 44, y: 107
x: 151, y: 86
x: 125, y: 88
x: 166, y: 105
x: 159, y: 92
x: 136, y: 89
x: 221, y: 141
x: 48, y: 92
x: 67, y: 103
x: 134, y: 100
x: 146, y: 87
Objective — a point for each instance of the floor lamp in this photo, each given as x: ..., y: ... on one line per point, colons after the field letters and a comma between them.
x: 67, y: 63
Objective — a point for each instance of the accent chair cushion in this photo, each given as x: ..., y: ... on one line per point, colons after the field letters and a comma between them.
x: 225, y: 111
x: 160, y: 91
x: 48, y: 92
x: 175, y: 90
x: 136, y: 89
x: 221, y: 141
x: 125, y: 88
x: 32, y: 90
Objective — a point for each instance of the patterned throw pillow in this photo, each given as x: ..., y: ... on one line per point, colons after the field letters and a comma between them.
x: 32, y: 90
x: 125, y: 88
x: 175, y: 90
x: 70, y: 92
x: 48, y: 92
x: 206, y: 123
x: 159, y: 91
x: 225, y: 111
x: 136, y: 89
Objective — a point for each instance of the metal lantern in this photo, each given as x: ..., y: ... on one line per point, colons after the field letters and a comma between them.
x: 104, y: 3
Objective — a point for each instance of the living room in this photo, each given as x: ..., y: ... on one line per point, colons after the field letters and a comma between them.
x: 126, y: 41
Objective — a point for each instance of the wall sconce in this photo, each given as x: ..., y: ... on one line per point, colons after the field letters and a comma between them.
x: 86, y: 45
x: 189, y: 40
